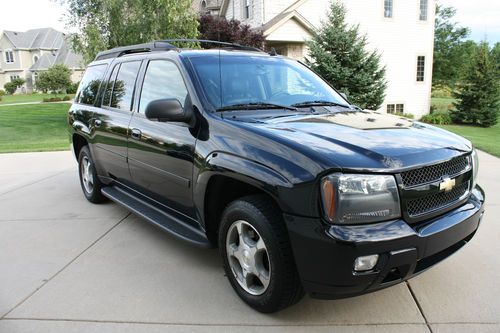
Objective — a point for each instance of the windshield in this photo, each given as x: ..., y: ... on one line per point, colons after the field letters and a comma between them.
x: 236, y: 81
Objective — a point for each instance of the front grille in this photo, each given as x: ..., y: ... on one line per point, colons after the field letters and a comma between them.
x: 433, y: 202
x: 436, y: 172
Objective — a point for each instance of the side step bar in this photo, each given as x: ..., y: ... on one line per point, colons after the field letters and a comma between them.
x: 161, y: 219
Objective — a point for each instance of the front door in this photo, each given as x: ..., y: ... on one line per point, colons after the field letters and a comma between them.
x: 161, y: 153
x: 112, y: 121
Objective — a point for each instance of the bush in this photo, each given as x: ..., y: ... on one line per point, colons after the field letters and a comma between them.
x: 12, y: 86
x: 232, y: 31
x: 72, y: 88
x: 2, y: 92
x: 441, y: 91
x: 437, y: 118
x: 53, y: 99
x: 405, y: 115
x: 66, y: 98
x: 0, y: 98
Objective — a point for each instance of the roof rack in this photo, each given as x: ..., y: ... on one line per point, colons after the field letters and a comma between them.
x: 166, y: 45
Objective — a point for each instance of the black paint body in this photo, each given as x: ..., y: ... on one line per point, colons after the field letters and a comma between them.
x: 172, y: 165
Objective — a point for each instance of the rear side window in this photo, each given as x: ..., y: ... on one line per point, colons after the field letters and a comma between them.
x: 89, y: 86
x: 123, y: 87
x: 163, y: 80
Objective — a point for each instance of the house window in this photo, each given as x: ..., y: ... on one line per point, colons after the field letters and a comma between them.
x: 247, y: 9
x: 388, y: 8
x: 420, y: 68
x: 35, y: 59
x: 395, y: 108
x: 9, y: 57
x: 14, y: 77
x: 423, y: 10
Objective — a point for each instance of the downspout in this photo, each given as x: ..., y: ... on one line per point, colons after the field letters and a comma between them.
x: 263, y: 12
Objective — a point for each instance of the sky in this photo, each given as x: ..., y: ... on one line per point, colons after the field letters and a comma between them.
x: 481, y: 16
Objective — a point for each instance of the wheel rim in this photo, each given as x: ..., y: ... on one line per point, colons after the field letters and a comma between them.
x: 87, y: 174
x: 248, y: 257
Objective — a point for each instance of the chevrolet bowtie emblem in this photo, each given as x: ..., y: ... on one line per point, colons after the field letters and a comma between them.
x: 447, y: 184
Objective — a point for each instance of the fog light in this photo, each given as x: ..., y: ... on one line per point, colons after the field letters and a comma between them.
x: 365, y: 263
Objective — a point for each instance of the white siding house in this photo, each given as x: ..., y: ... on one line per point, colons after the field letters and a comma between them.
x: 402, y: 31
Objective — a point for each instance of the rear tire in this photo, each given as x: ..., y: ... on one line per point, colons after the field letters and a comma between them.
x: 91, y: 185
x: 257, y: 256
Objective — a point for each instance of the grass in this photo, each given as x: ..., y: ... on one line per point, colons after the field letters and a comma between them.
x: 28, y: 98
x: 36, y: 127
x: 486, y: 139
x: 442, y: 104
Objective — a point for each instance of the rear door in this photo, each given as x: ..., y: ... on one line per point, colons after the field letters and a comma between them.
x: 112, y: 120
x: 161, y: 153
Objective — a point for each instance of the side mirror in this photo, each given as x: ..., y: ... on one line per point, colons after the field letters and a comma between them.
x: 168, y: 109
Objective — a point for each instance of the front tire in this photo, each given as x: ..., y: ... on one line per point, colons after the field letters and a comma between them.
x: 257, y: 255
x: 91, y: 185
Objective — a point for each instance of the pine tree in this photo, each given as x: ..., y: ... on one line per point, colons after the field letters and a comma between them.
x: 479, y: 94
x: 338, y: 52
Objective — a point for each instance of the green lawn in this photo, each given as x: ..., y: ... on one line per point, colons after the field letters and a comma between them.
x: 36, y: 127
x: 26, y: 98
x: 487, y: 139
x: 442, y: 104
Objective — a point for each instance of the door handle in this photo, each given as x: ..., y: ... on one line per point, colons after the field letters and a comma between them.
x: 97, y: 123
x: 136, y: 134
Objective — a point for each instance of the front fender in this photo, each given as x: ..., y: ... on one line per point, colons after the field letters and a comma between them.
x: 290, y: 197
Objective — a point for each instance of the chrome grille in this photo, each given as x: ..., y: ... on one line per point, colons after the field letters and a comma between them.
x: 436, y: 172
x: 433, y: 202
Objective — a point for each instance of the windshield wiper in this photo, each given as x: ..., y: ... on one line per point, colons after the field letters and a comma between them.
x: 319, y: 103
x: 256, y: 106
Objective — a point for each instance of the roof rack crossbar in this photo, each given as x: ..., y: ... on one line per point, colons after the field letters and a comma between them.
x: 165, y: 45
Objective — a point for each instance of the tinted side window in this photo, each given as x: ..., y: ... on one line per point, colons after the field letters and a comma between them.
x: 109, y: 87
x: 89, y: 86
x: 163, y: 80
x: 123, y: 89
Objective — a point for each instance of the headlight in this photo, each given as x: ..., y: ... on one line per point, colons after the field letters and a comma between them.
x: 354, y: 199
x: 475, y: 167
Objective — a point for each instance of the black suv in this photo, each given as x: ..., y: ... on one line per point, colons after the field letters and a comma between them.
x: 256, y: 154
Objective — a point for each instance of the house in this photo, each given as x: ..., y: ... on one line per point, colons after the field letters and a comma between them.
x: 26, y: 54
x: 401, y: 30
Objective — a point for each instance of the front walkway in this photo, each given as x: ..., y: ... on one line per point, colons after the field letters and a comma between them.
x: 69, y: 266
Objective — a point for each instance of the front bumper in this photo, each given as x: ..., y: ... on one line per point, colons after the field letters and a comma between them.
x: 325, y: 253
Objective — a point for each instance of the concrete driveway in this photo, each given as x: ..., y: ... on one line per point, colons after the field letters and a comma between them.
x: 69, y: 266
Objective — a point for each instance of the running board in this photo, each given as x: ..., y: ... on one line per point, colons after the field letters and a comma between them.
x: 161, y: 219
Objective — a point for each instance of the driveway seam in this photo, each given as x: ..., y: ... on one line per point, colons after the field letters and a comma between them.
x: 205, y: 324
x: 64, y: 267
x: 419, y: 306
x: 35, y: 182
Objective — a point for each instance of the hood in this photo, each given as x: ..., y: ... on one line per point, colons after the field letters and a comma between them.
x: 361, y: 140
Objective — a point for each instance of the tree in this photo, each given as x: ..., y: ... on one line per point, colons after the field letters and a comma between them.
x: 479, y: 94
x: 12, y: 86
x: 449, y: 51
x: 338, y: 52
x: 104, y: 24
x: 220, y: 29
x: 56, y: 78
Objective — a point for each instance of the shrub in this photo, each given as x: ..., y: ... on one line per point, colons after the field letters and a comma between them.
x: 56, y: 78
x: 405, y: 115
x: 2, y: 92
x: 72, y: 88
x: 66, y: 98
x: 0, y: 98
x: 53, y: 99
x: 12, y: 86
x: 437, y: 118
